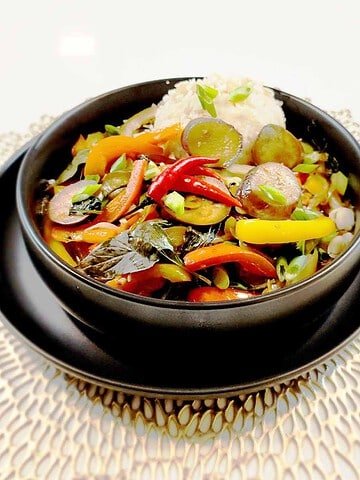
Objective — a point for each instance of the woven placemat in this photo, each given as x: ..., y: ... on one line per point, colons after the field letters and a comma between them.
x: 53, y: 426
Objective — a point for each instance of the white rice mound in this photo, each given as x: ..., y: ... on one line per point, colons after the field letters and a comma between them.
x: 181, y: 104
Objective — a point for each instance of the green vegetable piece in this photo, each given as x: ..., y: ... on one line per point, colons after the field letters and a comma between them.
x: 339, y: 182
x: 301, y: 268
x: 152, y: 171
x: 95, y: 178
x: 72, y: 168
x: 281, y: 267
x: 120, y: 164
x: 307, y: 148
x: 175, y: 202
x: 301, y: 213
x: 311, y: 157
x: 211, y: 137
x: 87, y: 192
x: 305, y: 168
x: 271, y: 195
x: 206, y: 96
x: 94, y: 138
x: 240, y: 94
x: 112, y: 130
x: 221, y: 278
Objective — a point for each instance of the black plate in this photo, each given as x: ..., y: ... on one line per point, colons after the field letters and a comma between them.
x: 189, y: 368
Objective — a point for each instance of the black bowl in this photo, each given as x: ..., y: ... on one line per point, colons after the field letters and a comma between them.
x: 105, y: 309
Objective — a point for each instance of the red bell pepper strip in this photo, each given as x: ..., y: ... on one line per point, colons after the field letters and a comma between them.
x: 197, y: 186
x: 214, y: 294
x: 250, y: 260
x: 119, y: 205
x: 163, y: 182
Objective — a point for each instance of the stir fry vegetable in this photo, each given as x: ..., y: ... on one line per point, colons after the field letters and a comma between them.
x: 182, y: 213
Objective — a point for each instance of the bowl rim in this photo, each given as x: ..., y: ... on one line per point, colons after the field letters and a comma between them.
x: 32, y: 232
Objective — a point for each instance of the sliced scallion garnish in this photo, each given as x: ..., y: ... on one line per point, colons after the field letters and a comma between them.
x: 271, y: 195
x: 87, y: 192
x: 119, y: 164
x: 339, y: 182
x: 152, y: 171
x: 112, y: 130
x: 95, y: 178
x: 240, y: 93
x: 206, y: 96
x: 301, y: 213
x: 305, y: 168
x: 311, y: 157
x: 175, y: 202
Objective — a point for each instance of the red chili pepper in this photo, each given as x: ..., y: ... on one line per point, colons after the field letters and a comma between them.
x: 250, y: 260
x: 164, y: 182
x: 197, y: 186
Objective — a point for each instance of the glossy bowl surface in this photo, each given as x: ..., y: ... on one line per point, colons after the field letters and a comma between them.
x: 106, y: 309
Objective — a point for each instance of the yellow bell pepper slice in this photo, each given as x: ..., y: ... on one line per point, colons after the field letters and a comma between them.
x: 259, y: 231
x: 58, y: 248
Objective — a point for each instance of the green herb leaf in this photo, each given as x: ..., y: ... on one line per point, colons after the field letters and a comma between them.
x: 305, y: 168
x: 271, y: 195
x: 72, y: 168
x: 301, y: 213
x: 89, y: 205
x: 240, y: 94
x: 87, y: 192
x: 115, y: 257
x: 339, y: 182
x: 120, y: 164
x: 175, y: 202
x: 112, y: 130
x: 206, y: 96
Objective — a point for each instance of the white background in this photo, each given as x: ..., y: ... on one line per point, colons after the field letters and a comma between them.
x: 54, y: 54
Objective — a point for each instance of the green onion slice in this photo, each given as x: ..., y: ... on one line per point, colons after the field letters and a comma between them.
x: 206, y: 96
x: 87, y: 192
x: 152, y: 171
x: 175, y: 202
x: 271, y: 195
x: 301, y: 213
x: 240, y: 94
x: 311, y: 157
x: 119, y: 164
x: 339, y: 182
x: 112, y: 130
x: 305, y: 168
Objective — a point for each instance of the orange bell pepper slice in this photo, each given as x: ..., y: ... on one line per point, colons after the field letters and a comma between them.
x: 214, y: 294
x: 120, y: 205
x: 250, y: 260
x: 108, y: 149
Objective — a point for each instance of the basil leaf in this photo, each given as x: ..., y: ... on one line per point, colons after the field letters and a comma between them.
x: 86, y: 206
x: 271, y: 195
x: 116, y: 256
